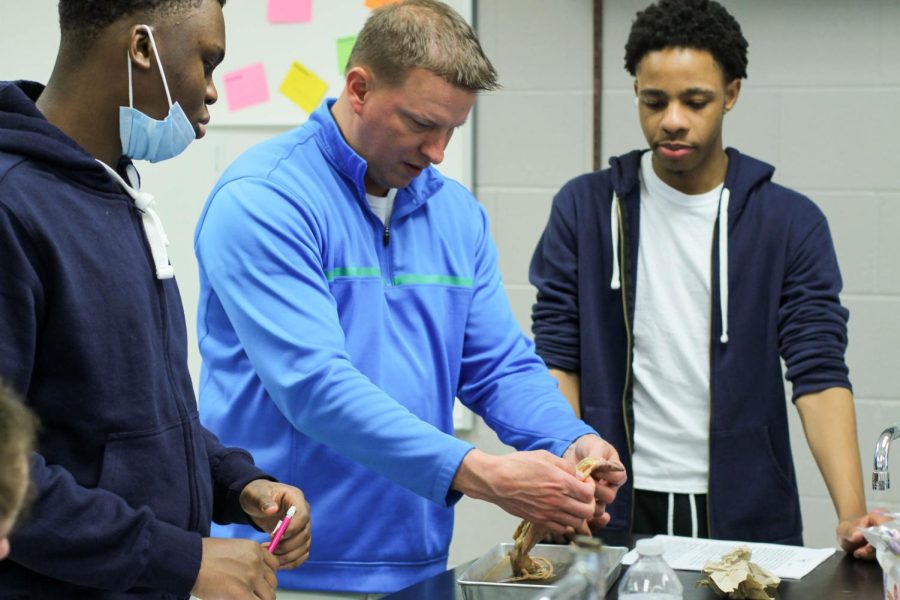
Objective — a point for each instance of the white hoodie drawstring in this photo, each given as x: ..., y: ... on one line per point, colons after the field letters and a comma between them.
x: 616, y: 281
x: 723, y: 262
x: 153, y: 227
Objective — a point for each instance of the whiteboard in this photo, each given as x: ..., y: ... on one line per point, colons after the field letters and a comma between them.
x: 29, y: 38
x: 250, y: 38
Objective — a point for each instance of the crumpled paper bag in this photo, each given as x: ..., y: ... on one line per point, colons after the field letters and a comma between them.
x: 734, y: 576
x: 885, y: 538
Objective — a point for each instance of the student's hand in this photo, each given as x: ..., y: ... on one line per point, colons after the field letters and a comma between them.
x: 235, y: 569
x: 852, y: 540
x: 266, y: 502
x: 534, y: 485
x: 606, y: 480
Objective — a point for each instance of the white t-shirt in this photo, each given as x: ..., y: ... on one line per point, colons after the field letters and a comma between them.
x: 382, y: 206
x: 672, y: 337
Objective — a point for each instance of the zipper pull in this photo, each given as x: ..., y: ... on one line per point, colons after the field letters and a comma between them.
x: 387, y: 234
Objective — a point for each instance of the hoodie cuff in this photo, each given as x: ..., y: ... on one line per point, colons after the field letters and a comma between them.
x: 172, y: 559
x: 234, y: 471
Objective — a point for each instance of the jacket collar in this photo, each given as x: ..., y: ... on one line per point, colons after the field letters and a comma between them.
x: 353, y: 166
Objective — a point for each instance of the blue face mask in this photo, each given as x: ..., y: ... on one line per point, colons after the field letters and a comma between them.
x: 146, y: 138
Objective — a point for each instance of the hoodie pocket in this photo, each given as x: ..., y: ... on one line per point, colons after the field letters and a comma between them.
x: 753, y: 492
x: 149, y: 468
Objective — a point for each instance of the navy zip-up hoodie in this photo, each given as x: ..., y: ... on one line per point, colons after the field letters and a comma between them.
x: 781, y: 301
x: 126, y: 479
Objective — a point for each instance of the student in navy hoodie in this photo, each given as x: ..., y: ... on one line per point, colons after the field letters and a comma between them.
x: 671, y: 285
x: 92, y: 329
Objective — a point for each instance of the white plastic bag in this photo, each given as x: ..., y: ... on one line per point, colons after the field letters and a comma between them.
x: 885, y: 538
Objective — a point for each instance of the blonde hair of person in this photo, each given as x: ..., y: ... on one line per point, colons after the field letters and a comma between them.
x: 424, y: 34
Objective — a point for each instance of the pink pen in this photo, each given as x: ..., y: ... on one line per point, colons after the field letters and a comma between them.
x: 281, y: 528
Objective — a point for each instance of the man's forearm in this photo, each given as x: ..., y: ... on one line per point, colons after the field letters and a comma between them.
x: 829, y: 421
x: 470, y: 478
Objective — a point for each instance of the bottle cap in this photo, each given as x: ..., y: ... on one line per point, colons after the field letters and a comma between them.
x: 649, y: 547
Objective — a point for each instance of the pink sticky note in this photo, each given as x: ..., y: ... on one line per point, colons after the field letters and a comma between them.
x: 290, y: 11
x: 246, y: 87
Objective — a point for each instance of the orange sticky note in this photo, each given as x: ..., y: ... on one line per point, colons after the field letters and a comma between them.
x: 373, y: 4
x: 303, y: 87
x: 246, y: 87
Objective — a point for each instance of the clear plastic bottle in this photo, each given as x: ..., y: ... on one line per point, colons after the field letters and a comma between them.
x: 650, y: 577
x: 586, y: 578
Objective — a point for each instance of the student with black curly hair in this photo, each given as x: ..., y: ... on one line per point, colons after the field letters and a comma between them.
x: 92, y: 330
x: 670, y: 287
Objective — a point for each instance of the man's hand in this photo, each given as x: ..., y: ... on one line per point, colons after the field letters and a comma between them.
x: 235, y: 569
x: 852, y: 540
x: 606, y: 481
x: 266, y: 502
x: 535, y: 485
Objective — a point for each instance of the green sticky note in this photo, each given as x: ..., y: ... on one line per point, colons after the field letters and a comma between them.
x: 344, y: 47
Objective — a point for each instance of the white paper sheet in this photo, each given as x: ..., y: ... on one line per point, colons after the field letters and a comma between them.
x: 690, y: 554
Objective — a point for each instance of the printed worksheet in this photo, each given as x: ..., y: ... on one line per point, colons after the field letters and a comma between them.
x: 691, y: 554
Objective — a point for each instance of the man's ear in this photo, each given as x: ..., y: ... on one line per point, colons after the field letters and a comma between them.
x: 732, y: 91
x: 140, y: 50
x: 358, y: 85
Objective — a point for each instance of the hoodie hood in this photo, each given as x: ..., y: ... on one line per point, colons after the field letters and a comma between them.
x: 624, y: 175
x: 744, y: 175
x: 25, y: 132
x: 625, y: 172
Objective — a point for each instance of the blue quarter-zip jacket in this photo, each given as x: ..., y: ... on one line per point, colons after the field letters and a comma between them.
x: 333, y: 347
x: 782, y: 302
x: 125, y: 478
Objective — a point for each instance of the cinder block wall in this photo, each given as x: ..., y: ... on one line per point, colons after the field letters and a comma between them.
x: 530, y: 138
x: 822, y: 104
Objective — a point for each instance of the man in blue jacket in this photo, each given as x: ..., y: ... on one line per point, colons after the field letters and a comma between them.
x: 670, y: 286
x: 349, y: 291
x: 92, y: 329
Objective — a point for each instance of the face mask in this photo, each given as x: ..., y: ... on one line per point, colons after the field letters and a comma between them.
x: 145, y: 138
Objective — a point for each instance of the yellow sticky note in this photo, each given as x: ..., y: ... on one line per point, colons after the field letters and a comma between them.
x: 373, y: 4
x: 303, y: 87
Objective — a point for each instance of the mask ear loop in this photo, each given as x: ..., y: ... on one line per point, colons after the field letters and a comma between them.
x: 158, y: 62
x: 130, y: 87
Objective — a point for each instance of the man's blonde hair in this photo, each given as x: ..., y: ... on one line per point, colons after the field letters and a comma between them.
x: 424, y: 34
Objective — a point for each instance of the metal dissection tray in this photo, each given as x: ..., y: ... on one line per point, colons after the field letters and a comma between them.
x: 483, y: 579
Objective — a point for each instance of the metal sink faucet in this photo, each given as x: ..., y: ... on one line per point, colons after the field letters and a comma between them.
x: 881, y: 478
